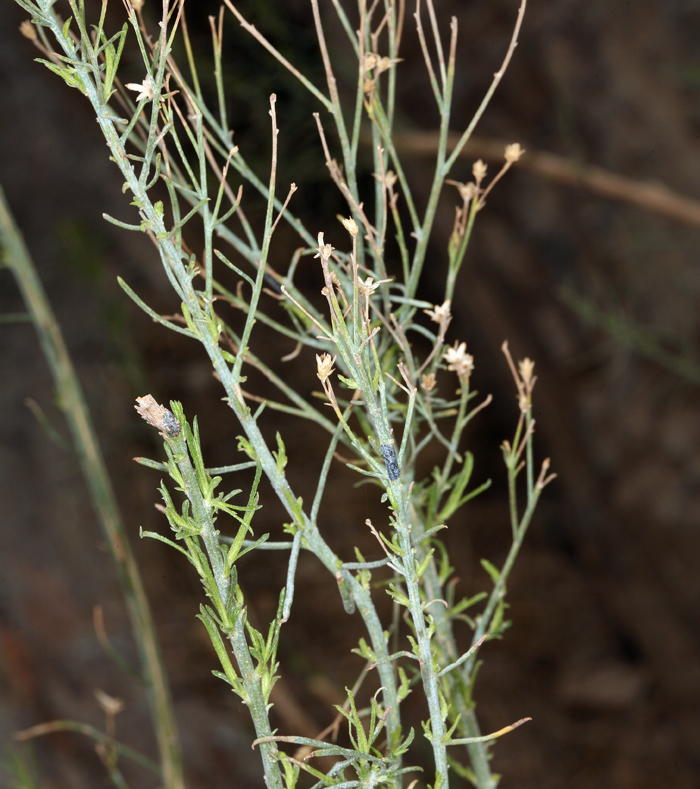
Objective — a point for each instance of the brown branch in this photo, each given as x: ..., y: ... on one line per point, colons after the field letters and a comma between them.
x: 653, y: 197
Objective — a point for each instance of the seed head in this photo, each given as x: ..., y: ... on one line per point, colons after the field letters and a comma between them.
x: 388, y: 180
x: 324, y: 250
x: 479, y: 171
x: 350, y: 225
x: 370, y: 61
x: 369, y: 286
x: 526, y: 367
x: 513, y: 152
x: 466, y: 191
x: 428, y: 381
x: 324, y: 365
x: 28, y: 30
x: 373, y: 61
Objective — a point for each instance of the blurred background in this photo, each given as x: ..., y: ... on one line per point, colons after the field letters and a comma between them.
x: 594, y: 277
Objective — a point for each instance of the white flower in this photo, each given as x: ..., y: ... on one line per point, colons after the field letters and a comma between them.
x: 145, y: 89
x: 458, y: 360
x: 440, y: 314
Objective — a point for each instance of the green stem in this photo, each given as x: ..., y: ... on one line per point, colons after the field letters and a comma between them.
x: 255, y: 697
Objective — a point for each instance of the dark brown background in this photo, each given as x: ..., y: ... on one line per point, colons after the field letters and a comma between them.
x: 604, y: 652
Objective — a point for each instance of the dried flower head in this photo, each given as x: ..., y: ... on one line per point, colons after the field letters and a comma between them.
x: 376, y: 62
x: 386, y: 63
x: 110, y: 704
x: 479, y: 171
x: 466, y: 191
x: 370, y: 61
x: 350, y: 225
x: 388, y: 180
x: 525, y: 368
x: 324, y: 250
x: 369, y: 286
x: 28, y: 30
x: 458, y: 360
x: 440, y: 314
x: 144, y: 89
x: 513, y: 152
x: 428, y: 381
x: 324, y: 364
x: 523, y: 377
x: 158, y: 416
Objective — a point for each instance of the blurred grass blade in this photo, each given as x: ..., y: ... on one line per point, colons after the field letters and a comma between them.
x: 16, y: 257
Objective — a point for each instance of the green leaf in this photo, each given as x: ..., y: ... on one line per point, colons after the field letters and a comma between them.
x: 348, y: 382
x: 403, y: 747
x: 427, y: 534
x: 398, y: 596
x: 404, y: 685
x: 112, y: 58
x: 493, y: 572
x: 364, y: 651
x: 207, y: 617
x: 68, y: 74
x: 466, y: 602
x: 457, y: 484
x: 290, y: 771
x: 424, y: 564
x: 245, y: 446
x: 281, y: 454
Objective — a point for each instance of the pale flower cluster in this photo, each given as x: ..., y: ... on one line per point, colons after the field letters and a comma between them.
x: 381, y: 63
x: 440, y: 313
x: 466, y: 191
x: 526, y: 367
x: 324, y: 364
x: 350, y: 225
x: 428, y: 382
x: 458, y: 360
x: 479, y: 171
x: 369, y: 286
x: 513, y: 152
